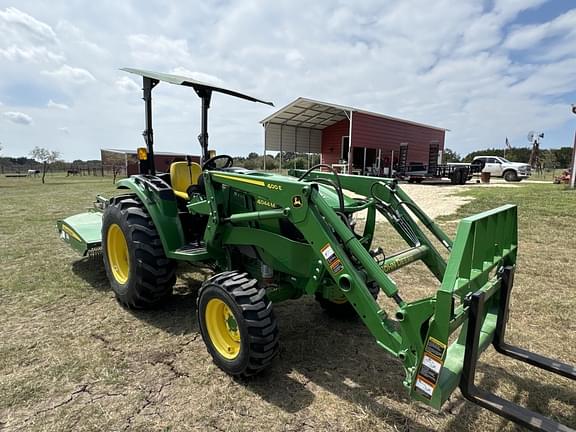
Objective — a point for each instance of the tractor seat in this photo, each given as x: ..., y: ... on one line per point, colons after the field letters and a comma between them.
x: 182, y: 176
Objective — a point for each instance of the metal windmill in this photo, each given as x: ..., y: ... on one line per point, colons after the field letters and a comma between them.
x: 535, y: 138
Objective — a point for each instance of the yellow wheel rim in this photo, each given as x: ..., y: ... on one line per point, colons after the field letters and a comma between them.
x: 341, y: 300
x: 117, y: 251
x: 222, y: 328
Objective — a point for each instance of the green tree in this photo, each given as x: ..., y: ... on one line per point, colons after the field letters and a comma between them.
x: 563, y: 156
x: 451, y: 156
x: 45, y: 157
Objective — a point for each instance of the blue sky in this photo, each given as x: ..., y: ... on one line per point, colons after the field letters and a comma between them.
x: 484, y: 70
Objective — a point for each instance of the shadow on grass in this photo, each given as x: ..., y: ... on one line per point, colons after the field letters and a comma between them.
x: 91, y: 270
x: 342, y: 358
x: 540, y: 395
x: 177, y: 314
x: 339, y: 357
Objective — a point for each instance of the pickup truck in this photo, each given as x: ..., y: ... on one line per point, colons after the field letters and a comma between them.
x: 499, y: 167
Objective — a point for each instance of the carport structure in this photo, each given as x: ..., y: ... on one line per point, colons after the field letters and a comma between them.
x: 352, y: 139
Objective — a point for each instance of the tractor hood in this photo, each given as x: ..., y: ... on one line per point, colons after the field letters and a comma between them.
x: 329, y: 195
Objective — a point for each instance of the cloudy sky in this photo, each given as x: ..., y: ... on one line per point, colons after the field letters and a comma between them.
x: 483, y: 69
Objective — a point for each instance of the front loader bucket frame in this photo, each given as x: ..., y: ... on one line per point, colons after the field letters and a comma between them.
x: 472, y: 301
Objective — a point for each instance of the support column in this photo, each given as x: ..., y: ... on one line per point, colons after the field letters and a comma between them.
x: 350, y: 153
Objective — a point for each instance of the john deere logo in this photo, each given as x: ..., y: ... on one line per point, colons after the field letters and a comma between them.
x: 297, y: 201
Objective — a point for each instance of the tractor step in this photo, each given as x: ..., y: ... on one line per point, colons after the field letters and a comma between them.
x: 195, y: 251
x: 511, y: 411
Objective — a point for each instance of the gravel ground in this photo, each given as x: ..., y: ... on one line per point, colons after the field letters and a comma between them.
x: 440, y: 199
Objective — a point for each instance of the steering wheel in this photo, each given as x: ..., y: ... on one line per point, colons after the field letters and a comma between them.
x: 210, y: 163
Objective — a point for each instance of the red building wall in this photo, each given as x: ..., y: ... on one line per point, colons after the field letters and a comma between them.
x: 161, y: 162
x: 332, y: 141
x: 381, y: 133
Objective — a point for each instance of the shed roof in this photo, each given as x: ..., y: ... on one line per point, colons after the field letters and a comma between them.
x: 313, y: 114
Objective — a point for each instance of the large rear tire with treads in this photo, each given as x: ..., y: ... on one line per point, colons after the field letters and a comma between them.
x: 140, y: 274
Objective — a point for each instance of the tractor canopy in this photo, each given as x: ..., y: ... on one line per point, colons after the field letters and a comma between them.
x: 198, y: 86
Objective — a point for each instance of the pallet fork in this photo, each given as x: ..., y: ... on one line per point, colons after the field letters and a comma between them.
x: 496, y: 404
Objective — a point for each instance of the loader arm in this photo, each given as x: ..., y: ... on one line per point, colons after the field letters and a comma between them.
x: 474, y: 282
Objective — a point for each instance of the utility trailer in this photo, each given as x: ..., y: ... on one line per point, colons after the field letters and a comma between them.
x: 458, y: 174
x: 272, y: 238
x: 417, y: 172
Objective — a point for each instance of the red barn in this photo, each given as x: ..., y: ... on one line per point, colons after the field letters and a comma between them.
x: 352, y: 139
x: 126, y: 161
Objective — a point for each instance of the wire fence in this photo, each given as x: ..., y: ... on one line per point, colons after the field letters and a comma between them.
x: 99, y: 170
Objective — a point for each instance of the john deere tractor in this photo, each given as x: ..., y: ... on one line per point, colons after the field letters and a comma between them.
x: 271, y: 238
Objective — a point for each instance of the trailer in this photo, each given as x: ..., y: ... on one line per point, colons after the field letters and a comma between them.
x: 417, y: 172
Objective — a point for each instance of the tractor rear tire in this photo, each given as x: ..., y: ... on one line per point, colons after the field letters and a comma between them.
x: 344, y: 310
x: 237, y: 323
x: 139, y: 272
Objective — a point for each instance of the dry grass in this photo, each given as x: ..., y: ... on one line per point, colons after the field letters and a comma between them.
x: 72, y: 359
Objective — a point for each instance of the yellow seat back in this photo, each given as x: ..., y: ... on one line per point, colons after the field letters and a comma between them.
x: 182, y: 176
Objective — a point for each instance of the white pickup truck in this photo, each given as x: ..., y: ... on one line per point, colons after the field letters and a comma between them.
x: 499, y: 167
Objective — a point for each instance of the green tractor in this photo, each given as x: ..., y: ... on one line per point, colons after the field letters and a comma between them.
x: 271, y: 238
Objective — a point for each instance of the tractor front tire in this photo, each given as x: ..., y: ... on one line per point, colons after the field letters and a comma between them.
x: 237, y: 323
x: 137, y: 268
x: 343, y: 309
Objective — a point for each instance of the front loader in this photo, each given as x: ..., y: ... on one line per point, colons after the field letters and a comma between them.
x: 271, y: 238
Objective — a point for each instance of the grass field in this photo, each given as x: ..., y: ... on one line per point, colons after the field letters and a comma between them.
x: 72, y: 359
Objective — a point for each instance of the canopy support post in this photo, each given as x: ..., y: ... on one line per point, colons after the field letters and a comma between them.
x: 148, y: 85
x: 205, y: 94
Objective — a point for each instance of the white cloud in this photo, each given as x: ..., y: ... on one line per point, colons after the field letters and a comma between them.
x: 510, y: 8
x: 74, y: 35
x: 52, y: 104
x: 30, y: 54
x: 546, y: 42
x: 71, y: 74
x: 465, y: 65
x: 64, y: 130
x: 24, y: 38
x: 158, y: 49
x: 127, y: 85
x: 18, y: 117
x: 294, y: 57
x: 15, y: 20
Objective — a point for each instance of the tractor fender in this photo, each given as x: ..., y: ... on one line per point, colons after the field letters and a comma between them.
x: 160, y: 202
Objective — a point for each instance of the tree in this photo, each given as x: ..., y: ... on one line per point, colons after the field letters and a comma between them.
x: 45, y: 157
x: 451, y: 156
x: 252, y: 155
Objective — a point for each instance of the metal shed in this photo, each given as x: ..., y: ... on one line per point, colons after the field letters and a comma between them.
x: 351, y: 139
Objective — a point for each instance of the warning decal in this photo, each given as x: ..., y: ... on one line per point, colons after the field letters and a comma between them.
x: 336, y: 266
x: 435, y: 347
x: 333, y: 261
x: 429, y: 371
x: 424, y: 388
